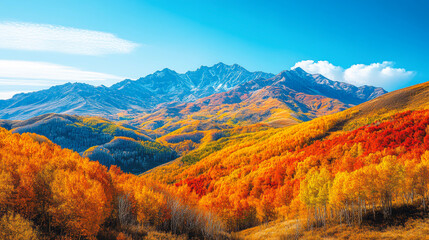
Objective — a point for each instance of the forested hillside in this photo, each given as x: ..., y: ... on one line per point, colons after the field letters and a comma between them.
x: 47, y: 192
x: 131, y: 155
x: 369, y: 158
x: 99, y: 139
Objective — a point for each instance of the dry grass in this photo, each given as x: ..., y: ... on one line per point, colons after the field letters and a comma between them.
x: 145, y: 232
x: 413, y: 229
x: 272, y: 230
x: 154, y: 235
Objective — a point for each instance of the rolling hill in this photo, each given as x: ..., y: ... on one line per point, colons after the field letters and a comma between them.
x: 97, y: 138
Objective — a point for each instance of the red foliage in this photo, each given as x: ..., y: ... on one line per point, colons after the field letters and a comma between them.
x: 274, y: 180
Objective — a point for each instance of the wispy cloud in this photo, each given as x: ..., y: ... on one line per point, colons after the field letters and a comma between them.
x: 42, y: 71
x: 44, y: 37
x: 27, y: 75
x: 375, y: 74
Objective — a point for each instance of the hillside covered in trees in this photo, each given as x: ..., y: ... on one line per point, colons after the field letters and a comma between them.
x: 340, y: 168
x: 47, y: 192
x: 99, y: 139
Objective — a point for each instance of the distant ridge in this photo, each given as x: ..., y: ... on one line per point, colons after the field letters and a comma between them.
x: 166, y: 86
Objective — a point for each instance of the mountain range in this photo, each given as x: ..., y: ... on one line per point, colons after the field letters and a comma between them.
x: 288, y: 98
x: 166, y: 86
x: 134, y: 96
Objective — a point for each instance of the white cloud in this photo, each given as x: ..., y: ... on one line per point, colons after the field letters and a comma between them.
x: 44, y: 37
x: 376, y: 74
x: 21, y: 75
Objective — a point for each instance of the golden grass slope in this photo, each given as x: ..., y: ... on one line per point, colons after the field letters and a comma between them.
x: 414, y: 229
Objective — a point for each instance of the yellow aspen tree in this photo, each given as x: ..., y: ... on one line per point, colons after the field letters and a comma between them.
x: 391, y: 175
x: 314, y: 192
x: 422, y: 178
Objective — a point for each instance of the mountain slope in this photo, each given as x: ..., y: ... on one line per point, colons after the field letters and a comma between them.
x: 114, y: 144
x: 76, y: 98
x: 286, y: 99
x: 171, y: 86
x: 134, y: 96
x: 258, y: 177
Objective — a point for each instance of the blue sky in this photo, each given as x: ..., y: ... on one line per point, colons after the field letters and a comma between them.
x: 381, y: 43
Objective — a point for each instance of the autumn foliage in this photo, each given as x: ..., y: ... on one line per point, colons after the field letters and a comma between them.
x: 336, y: 168
x: 314, y: 169
x: 65, y: 195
